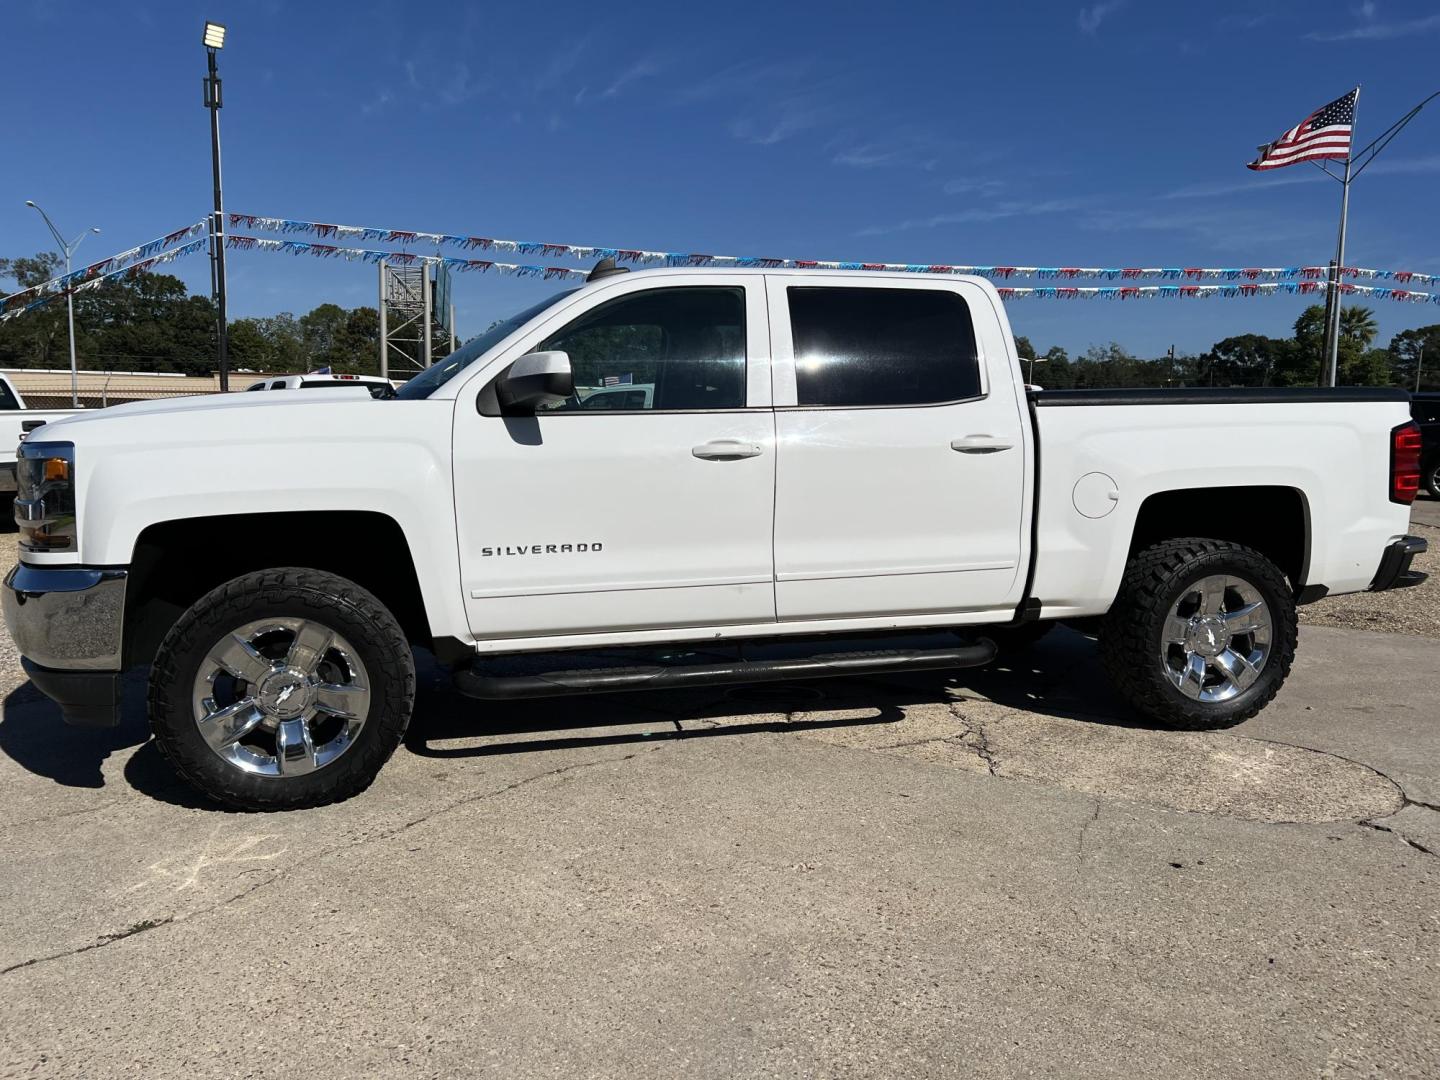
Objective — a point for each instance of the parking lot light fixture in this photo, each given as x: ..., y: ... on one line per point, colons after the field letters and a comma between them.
x: 214, y: 41
x: 68, y: 249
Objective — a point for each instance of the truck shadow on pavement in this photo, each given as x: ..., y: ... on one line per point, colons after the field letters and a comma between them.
x: 1059, y: 677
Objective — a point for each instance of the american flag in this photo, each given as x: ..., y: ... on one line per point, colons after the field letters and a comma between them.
x: 1325, y: 133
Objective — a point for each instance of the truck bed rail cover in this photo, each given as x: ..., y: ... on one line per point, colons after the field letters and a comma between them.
x: 1220, y: 395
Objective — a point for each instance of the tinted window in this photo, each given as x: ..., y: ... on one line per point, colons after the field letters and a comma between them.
x: 1424, y: 410
x: 882, y: 346
x: 7, y: 399
x: 689, y: 344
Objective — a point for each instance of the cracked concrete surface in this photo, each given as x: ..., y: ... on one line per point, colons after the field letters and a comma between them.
x: 985, y: 875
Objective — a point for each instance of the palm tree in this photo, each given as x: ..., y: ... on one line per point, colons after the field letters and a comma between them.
x: 1358, y: 325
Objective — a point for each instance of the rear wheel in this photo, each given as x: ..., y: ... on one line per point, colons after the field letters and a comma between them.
x: 1201, y: 635
x: 282, y: 689
x: 1432, y: 479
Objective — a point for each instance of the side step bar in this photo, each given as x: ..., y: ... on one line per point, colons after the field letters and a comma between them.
x: 491, y: 684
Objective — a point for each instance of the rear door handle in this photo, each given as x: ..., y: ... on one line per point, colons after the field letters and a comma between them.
x: 727, y: 450
x: 980, y: 444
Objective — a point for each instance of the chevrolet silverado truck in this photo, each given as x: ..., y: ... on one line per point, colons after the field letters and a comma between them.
x: 830, y: 473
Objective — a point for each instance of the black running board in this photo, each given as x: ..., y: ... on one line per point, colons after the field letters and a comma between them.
x: 482, y: 683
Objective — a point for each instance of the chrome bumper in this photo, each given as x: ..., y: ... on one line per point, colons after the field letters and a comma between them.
x: 66, y: 618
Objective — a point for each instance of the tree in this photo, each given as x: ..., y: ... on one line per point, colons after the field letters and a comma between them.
x: 1246, y: 360
x: 1406, y: 349
x: 36, y: 339
x: 1357, y: 324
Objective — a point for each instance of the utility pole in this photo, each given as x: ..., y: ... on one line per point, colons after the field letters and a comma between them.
x: 214, y: 41
x: 1419, y: 366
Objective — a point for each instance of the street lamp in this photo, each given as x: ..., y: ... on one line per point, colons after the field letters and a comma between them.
x: 68, y: 249
x: 214, y: 41
x: 1033, y: 361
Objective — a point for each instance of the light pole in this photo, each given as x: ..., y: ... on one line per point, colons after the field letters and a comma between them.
x: 1033, y: 361
x: 68, y: 249
x: 1419, y: 366
x: 214, y: 42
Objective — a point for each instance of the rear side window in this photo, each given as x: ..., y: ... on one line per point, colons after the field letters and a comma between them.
x: 7, y: 399
x: 869, y: 347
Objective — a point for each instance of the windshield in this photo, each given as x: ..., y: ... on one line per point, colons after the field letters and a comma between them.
x: 427, y: 382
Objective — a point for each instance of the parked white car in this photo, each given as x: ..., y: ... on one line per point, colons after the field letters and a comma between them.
x: 826, y: 458
x: 16, y: 421
x: 378, y: 387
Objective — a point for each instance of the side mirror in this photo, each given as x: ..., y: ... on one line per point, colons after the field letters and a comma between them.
x: 535, y: 380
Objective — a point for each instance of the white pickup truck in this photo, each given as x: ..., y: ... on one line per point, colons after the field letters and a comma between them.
x: 16, y: 419
x: 829, y: 473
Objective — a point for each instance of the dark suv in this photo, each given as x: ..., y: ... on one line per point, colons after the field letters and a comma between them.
x: 1425, y: 408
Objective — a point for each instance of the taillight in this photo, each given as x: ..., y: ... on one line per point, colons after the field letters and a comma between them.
x: 1405, y: 463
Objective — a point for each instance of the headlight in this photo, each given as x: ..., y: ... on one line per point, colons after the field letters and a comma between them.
x: 45, y: 496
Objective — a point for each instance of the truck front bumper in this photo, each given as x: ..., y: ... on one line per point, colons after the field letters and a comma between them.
x: 1394, y: 571
x: 68, y: 623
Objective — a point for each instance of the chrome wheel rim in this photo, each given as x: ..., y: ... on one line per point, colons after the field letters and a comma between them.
x: 281, y: 697
x: 1216, y: 640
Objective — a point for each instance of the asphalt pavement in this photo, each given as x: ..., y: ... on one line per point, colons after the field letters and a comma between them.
x: 992, y: 875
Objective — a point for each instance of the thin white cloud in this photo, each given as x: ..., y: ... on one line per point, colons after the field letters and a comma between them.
x: 1239, y: 187
x: 973, y: 186
x: 641, y: 69
x: 1090, y: 18
x: 1404, y: 166
x: 977, y: 214
x: 913, y: 150
x: 788, y: 117
x: 382, y: 100
x: 1380, y: 31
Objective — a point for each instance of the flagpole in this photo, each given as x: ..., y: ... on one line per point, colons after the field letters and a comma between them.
x: 1332, y: 331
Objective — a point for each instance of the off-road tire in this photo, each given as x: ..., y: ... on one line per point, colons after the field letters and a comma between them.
x: 1131, y: 632
x: 284, y: 592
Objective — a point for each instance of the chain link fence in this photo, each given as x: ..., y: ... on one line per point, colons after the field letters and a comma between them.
x: 100, y: 389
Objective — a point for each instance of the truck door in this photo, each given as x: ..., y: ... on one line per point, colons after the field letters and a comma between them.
x: 651, y: 515
x: 901, y: 461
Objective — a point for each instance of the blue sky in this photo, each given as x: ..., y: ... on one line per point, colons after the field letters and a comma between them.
x: 1051, y: 133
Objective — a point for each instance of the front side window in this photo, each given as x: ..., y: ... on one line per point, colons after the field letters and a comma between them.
x: 664, y: 349
x: 876, y: 347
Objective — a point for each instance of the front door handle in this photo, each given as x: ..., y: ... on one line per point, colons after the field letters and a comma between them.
x: 727, y: 450
x: 980, y: 444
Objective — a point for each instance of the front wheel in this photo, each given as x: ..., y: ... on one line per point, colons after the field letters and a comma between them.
x: 1201, y: 635
x: 282, y: 689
